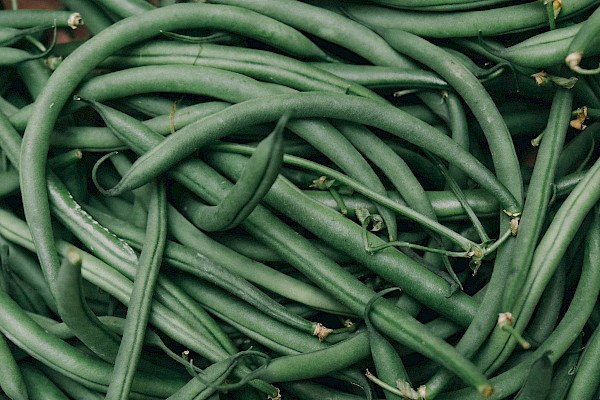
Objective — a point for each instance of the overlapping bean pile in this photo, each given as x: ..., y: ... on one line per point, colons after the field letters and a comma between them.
x: 251, y: 199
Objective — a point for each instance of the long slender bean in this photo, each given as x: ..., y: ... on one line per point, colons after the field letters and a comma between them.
x: 141, y: 295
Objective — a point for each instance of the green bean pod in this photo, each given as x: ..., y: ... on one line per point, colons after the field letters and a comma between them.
x: 11, y: 381
x: 587, y: 370
x: 353, y: 108
x: 388, y: 364
x: 581, y: 43
x: 75, y: 312
x: 10, y: 35
x: 39, y: 385
x: 494, y: 21
x: 327, y: 25
x: 24, y: 19
x: 119, y: 35
x: 261, y: 171
x: 141, y: 295
x: 188, y: 260
x: 531, y: 223
x: 304, y: 212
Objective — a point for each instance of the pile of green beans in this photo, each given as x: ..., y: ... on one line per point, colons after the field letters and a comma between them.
x: 300, y: 199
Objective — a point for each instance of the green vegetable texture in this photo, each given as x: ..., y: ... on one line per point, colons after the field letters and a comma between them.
x: 299, y: 199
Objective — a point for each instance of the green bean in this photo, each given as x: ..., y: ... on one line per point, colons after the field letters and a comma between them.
x: 495, y: 21
x: 308, y: 390
x: 329, y: 26
x: 537, y: 384
x: 24, y: 266
x: 380, y: 77
x: 587, y: 370
x: 316, y: 132
x: 437, y: 5
x: 57, y: 91
x: 565, y: 333
x: 9, y: 36
x: 196, y: 264
x: 25, y: 333
x: 388, y: 365
x: 252, y: 56
x: 29, y: 18
x: 544, y: 321
x: 399, y: 208
x: 40, y: 387
x: 34, y: 74
x: 257, y: 273
x: 126, y: 8
x: 531, y: 223
x: 564, y: 370
x: 261, y: 171
x: 573, y: 152
x: 266, y: 73
x: 70, y: 387
x: 248, y: 247
x: 141, y: 295
x: 11, y: 56
x: 75, y: 312
x: 478, y: 100
x: 549, y: 251
x: 543, y: 50
x: 102, y: 139
x: 95, y: 18
x: 304, y: 212
x: 261, y: 110
x: 581, y: 43
x: 11, y: 382
x: 253, y: 322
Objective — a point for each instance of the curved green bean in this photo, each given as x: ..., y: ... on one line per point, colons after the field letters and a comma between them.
x: 141, y: 295
x: 73, y: 70
x: 75, y: 312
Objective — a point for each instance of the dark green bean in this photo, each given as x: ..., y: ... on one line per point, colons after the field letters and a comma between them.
x: 581, y: 43
x: 261, y: 110
x: 141, y: 295
x: 537, y: 384
x: 39, y: 386
x: 388, y: 364
x: 495, y: 21
x: 531, y: 223
x: 327, y: 25
x: 11, y: 381
x: 59, y: 88
x: 587, y: 370
x: 74, y: 311
x: 30, y: 18
x: 95, y: 18
x: 380, y: 77
x: 252, y: 56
